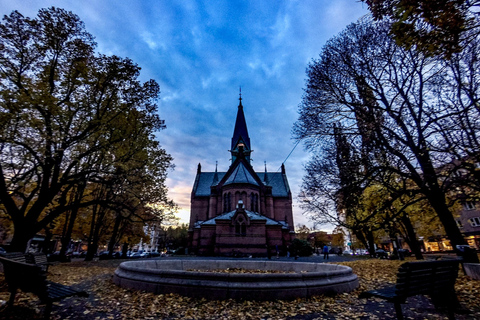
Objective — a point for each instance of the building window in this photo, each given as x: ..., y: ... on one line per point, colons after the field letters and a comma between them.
x: 475, y: 222
x: 254, y: 202
x: 227, y: 202
x: 469, y: 205
x: 459, y: 224
x: 241, y: 226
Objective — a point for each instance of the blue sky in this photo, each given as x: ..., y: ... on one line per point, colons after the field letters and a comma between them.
x: 201, y: 52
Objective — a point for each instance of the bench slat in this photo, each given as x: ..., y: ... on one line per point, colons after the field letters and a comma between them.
x: 31, y: 278
x: 59, y: 291
x: 16, y: 256
x: 433, y: 278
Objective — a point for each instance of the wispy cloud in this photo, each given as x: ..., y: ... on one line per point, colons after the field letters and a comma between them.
x: 200, y: 52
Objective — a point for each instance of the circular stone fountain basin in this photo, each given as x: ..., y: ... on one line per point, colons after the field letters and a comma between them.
x: 298, y: 280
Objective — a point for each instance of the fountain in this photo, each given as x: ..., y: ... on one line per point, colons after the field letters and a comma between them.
x: 291, y: 280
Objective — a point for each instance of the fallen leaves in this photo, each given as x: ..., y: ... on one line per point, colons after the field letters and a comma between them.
x: 107, y: 301
x: 240, y: 270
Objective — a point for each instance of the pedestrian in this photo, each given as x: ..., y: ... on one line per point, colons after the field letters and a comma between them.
x: 325, y: 252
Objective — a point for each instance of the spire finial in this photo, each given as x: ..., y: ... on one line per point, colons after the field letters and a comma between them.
x: 265, y: 178
x: 215, y: 176
x: 240, y: 96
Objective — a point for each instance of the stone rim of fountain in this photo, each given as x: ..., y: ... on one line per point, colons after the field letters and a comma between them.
x: 172, y: 276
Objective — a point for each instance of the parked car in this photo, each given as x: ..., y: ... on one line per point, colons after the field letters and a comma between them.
x: 139, y: 254
x: 405, y: 252
x: 55, y: 256
x: 382, y: 254
x: 80, y: 254
x: 348, y: 252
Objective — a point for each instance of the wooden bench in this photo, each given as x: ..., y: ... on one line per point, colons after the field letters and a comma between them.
x: 39, y: 259
x: 16, y: 256
x: 31, y: 278
x: 433, y: 278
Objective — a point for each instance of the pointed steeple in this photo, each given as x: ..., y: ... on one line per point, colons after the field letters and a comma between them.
x: 265, y: 178
x: 240, y: 139
x: 215, y: 176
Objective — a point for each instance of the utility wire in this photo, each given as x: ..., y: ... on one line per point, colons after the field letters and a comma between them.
x: 279, y: 168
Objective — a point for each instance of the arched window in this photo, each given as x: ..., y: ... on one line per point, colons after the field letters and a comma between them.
x: 227, y: 202
x: 237, y: 197
x: 254, y: 202
x: 241, y: 226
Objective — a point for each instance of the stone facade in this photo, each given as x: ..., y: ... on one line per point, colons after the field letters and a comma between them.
x: 240, y: 212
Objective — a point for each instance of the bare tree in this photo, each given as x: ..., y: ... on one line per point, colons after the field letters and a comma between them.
x: 363, y: 74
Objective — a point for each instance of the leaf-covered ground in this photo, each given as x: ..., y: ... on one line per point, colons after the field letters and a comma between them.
x: 107, y: 301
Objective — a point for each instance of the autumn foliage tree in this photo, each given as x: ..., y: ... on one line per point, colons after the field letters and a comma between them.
x: 71, y: 120
x: 364, y: 82
x: 434, y: 27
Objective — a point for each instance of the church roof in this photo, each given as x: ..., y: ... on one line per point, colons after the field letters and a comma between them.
x: 278, y: 182
x: 251, y: 215
x: 241, y: 175
x: 204, y: 181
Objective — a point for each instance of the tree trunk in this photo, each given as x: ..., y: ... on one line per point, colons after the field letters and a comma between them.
x: 67, y: 237
x: 411, y: 238
x: 95, y: 233
x: 90, y: 253
x: 113, y: 238
x: 371, y: 243
x: 21, y: 236
x: 450, y: 225
x: 361, y: 236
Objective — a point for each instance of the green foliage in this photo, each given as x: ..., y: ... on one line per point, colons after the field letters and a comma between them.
x: 301, y: 248
x: 69, y: 117
x: 173, y: 237
x: 435, y: 27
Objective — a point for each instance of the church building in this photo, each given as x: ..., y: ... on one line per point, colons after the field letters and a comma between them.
x: 241, y: 212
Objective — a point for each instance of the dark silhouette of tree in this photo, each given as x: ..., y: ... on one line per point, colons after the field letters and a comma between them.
x: 68, y: 118
x: 382, y: 94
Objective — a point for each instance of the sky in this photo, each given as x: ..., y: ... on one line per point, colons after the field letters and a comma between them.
x: 201, y: 53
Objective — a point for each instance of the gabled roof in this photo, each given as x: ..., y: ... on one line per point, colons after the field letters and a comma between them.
x: 241, y: 175
x: 204, y: 181
x: 253, y: 216
x: 278, y: 182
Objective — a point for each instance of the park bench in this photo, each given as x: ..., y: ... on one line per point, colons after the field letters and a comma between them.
x: 433, y: 278
x: 31, y: 278
x: 16, y: 256
x: 39, y: 259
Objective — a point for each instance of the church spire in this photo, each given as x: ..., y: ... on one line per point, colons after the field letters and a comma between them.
x: 215, y: 176
x: 240, y: 140
x: 265, y: 178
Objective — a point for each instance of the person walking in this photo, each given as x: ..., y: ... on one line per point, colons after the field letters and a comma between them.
x: 325, y: 252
